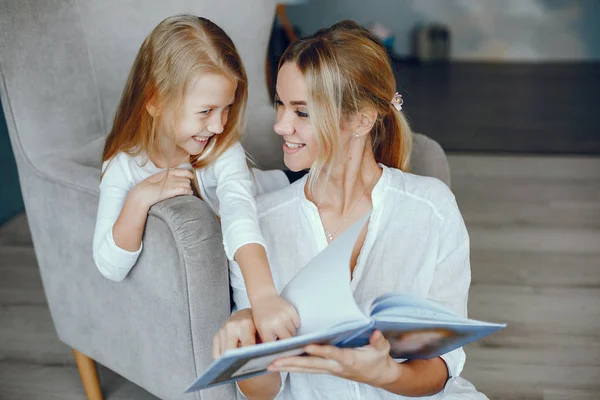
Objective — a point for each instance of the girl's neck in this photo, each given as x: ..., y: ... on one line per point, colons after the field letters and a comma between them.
x: 167, y: 154
x: 349, y: 182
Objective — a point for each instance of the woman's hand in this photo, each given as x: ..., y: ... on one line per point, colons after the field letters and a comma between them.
x: 163, y: 185
x: 370, y: 364
x: 238, y: 330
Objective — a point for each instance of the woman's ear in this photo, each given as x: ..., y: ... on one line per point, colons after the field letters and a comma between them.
x: 367, y: 119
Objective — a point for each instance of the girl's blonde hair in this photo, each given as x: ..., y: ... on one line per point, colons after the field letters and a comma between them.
x: 347, y: 69
x: 178, y: 50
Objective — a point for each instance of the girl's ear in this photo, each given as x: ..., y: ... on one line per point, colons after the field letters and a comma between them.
x: 152, y: 107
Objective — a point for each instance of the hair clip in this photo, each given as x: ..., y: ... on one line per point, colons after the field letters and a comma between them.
x: 397, y: 101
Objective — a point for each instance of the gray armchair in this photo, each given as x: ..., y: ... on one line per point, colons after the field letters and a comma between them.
x: 62, y: 68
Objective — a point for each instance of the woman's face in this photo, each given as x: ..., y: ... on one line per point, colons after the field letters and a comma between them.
x: 293, y: 122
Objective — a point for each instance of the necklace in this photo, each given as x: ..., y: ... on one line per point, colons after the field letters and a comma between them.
x: 330, y: 235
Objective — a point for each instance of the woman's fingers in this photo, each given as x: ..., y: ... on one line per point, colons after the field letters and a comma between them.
x: 247, y: 338
x: 216, y: 346
x: 223, y: 341
x: 232, y: 343
x: 308, y: 364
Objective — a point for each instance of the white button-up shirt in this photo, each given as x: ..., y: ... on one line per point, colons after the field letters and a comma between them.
x: 416, y: 243
x: 227, y: 186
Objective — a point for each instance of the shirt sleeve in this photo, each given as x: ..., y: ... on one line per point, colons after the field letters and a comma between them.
x: 452, y: 277
x: 111, y: 260
x: 237, y: 206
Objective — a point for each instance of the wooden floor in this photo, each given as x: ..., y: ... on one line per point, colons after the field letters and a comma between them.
x: 535, y: 234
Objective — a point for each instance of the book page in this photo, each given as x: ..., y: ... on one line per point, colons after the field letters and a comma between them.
x: 321, y: 291
x: 404, y: 304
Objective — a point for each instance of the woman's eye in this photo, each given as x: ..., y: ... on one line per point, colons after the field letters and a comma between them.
x: 301, y: 114
x: 203, y: 112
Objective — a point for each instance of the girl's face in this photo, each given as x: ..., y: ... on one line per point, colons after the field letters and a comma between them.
x: 203, y: 114
x: 293, y: 122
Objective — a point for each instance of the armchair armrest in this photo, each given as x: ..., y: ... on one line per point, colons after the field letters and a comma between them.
x: 155, y: 328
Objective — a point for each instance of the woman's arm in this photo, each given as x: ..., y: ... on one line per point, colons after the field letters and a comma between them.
x: 417, y: 378
x: 264, y: 387
x: 372, y: 365
x: 452, y: 276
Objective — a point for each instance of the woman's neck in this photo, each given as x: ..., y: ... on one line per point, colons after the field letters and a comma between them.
x: 349, y: 182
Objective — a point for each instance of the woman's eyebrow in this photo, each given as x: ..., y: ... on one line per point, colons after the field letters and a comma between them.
x: 294, y: 103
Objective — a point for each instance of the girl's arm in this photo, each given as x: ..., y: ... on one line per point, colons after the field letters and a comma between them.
x: 245, y: 244
x: 122, y: 213
x: 117, y: 250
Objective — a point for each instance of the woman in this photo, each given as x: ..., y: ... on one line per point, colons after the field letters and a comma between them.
x: 339, y: 116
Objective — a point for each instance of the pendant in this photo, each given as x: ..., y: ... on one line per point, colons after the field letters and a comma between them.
x: 329, y: 236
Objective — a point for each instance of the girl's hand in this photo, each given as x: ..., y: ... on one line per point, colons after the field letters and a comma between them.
x: 163, y: 185
x: 274, y: 317
x: 370, y: 364
x: 239, y: 329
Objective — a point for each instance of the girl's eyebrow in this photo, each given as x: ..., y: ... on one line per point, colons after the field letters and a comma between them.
x: 214, y: 106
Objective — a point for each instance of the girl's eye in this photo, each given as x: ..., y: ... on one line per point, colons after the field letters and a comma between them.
x: 301, y: 114
x: 203, y: 112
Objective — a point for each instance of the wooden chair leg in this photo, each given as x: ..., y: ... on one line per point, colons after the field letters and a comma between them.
x: 89, y: 376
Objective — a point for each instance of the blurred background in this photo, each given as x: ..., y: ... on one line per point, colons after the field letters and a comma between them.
x: 509, y: 89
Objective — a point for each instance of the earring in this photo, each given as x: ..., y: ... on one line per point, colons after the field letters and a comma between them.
x: 356, y: 134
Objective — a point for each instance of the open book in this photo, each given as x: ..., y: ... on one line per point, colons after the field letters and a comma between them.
x: 321, y: 293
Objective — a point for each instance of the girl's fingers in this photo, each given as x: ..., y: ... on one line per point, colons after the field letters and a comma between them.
x: 283, y: 332
x: 290, y: 326
x: 296, y: 319
x: 177, y: 180
x: 182, y: 172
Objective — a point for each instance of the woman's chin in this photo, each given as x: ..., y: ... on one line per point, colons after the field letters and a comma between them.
x: 293, y: 164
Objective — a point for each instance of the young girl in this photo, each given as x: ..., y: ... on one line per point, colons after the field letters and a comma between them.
x: 182, y: 110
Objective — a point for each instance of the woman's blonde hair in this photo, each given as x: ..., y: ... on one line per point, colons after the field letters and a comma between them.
x: 178, y: 50
x: 347, y: 69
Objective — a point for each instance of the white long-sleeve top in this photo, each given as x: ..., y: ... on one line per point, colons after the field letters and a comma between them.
x: 416, y: 243
x: 227, y: 186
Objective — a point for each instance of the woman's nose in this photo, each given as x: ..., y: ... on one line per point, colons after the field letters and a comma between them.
x: 284, y: 127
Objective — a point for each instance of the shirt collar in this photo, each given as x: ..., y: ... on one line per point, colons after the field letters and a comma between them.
x: 377, y: 195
